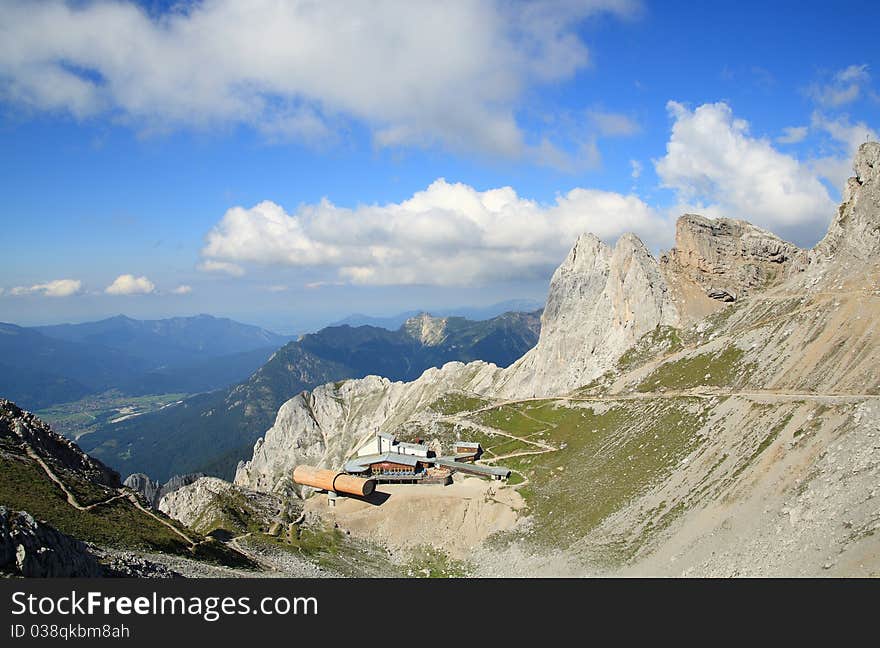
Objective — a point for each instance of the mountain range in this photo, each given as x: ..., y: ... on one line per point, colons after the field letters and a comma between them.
x: 212, y: 432
x: 45, y: 365
x: 394, y: 322
x: 711, y: 412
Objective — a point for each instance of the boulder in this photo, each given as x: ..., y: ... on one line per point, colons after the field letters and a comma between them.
x: 37, y: 550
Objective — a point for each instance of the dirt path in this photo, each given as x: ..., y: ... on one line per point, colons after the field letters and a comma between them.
x: 134, y: 500
x: 71, y: 498
x: 72, y: 501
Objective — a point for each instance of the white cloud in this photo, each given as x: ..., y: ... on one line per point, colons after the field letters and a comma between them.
x: 844, y: 87
x: 793, y: 134
x: 182, y: 289
x: 56, y: 288
x: 636, y: 169
x: 846, y: 138
x: 127, y: 284
x: 448, y: 234
x: 610, y: 124
x: 222, y: 267
x: 712, y: 161
x: 414, y: 72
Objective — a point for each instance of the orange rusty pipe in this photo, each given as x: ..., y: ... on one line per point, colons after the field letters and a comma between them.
x: 332, y: 480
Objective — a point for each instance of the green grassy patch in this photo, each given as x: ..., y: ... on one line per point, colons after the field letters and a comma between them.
x: 428, y: 562
x: 606, y: 459
x: 25, y: 486
x: 661, y: 341
x: 455, y: 403
x: 230, y: 512
x: 721, y: 369
x: 514, y: 419
x: 333, y: 550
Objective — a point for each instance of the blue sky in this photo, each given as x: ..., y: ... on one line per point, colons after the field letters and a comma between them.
x: 282, y: 163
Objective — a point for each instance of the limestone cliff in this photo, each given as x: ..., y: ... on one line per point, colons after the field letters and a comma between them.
x: 720, y: 261
x: 854, y: 233
x: 601, y: 300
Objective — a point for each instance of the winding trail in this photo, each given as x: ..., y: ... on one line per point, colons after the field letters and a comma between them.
x: 120, y: 494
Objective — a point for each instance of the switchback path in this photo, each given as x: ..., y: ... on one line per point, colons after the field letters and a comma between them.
x: 120, y: 493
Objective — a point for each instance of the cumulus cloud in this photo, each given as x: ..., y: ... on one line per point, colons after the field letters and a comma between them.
x: 793, y: 134
x: 714, y: 164
x: 182, y: 289
x: 56, y: 288
x: 413, y: 72
x: 448, y: 234
x: 127, y: 284
x: 844, y: 87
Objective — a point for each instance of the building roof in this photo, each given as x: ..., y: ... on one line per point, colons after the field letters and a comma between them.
x: 467, y: 444
x: 359, y: 464
x: 387, y: 436
x: 413, y: 446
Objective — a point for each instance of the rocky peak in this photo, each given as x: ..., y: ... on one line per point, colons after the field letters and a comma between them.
x: 142, y: 484
x: 855, y: 231
x: 724, y: 259
x: 601, y: 300
x: 428, y: 330
x: 27, y: 429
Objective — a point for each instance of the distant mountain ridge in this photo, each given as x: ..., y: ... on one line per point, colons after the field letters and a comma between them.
x: 477, y: 313
x: 212, y: 432
x: 177, y: 341
x: 45, y: 365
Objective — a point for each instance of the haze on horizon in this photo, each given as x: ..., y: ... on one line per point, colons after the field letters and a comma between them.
x: 290, y: 164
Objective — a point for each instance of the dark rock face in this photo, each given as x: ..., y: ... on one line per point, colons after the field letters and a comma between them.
x: 36, y: 550
x: 24, y: 427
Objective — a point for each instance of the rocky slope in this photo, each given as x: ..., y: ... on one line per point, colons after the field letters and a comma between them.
x: 209, y: 504
x: 152, y: 491
x: 36, y: 550
x: 27, y: 430
x: 711, y: 413
x: 54, y: 498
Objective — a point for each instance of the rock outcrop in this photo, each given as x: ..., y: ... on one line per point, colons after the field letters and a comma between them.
x: 855, y: 231
x: 27, y: 429
x: 142, y: 484
x: 724, y: 260
x: 428, y: 330
x: 601, y: 300
x: 209, y: 503
x: 37, y: 550
x: 152, y: 492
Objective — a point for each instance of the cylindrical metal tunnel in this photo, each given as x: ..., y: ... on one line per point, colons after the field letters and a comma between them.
x: 333, y: 480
